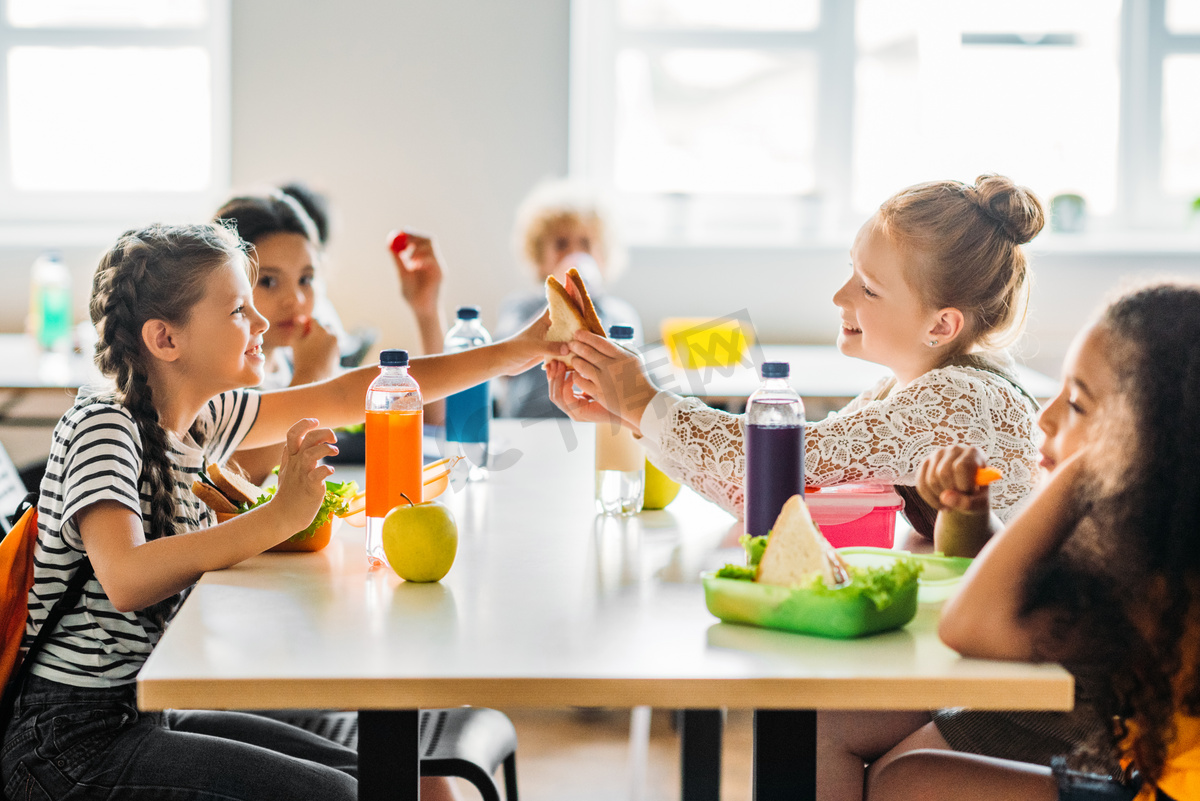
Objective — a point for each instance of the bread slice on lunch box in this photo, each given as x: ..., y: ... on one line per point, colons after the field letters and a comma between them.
x: 567, y: 316
x: 796, y: 549
x: 237, y: 488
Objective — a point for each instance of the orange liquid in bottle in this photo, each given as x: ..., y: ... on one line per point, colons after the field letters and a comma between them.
x: 393, y: 460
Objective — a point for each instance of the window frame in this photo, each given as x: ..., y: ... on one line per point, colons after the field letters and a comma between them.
x: 25, y: 210
x: 1144, y: 44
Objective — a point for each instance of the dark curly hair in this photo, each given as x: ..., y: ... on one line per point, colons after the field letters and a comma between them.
x: 1122, y: 590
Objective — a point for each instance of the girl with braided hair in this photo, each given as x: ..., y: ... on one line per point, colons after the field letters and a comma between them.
x: 181, y: 340
x: 1100, y: 571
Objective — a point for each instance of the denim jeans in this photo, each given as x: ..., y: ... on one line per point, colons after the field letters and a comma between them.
x: 93, y: 743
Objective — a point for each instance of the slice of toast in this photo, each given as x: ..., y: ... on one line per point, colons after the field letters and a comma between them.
x: 213, y: 498
x: 236, y: 488
x: 591, y: 320
x: 795, y: 550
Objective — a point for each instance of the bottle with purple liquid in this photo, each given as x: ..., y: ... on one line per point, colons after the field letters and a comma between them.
x: 774, y: 448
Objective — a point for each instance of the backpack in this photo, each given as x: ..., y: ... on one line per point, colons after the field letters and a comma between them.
x: 16, y: 564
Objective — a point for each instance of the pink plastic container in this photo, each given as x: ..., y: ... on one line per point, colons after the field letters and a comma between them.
x: 856, y: 514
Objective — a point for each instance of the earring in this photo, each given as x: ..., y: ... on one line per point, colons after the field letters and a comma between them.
x: 933, y: 343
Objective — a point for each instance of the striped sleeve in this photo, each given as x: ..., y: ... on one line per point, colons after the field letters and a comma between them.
x: 102, y: 464
x: 227, y: 419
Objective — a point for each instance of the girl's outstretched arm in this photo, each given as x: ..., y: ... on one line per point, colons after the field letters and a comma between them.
x: 982, y: 618
x: 136, y: 573
x: 340, y: 401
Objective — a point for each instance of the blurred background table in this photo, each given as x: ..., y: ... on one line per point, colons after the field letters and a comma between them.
x: 27, y: 374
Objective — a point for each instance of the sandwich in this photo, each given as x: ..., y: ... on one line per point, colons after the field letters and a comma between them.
x: 796, y: 550
x: 568, y: 315
x: 229, y: 494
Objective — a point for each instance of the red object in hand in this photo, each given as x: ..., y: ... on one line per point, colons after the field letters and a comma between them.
x: 398, y: 241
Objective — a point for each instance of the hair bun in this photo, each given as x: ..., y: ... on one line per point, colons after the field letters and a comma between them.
x: 1015, y: 209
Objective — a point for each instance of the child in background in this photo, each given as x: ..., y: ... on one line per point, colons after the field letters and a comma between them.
x: 181, y: 339
x: 938, y: 282
x: 298, y: 348
x: 560, y: 225
x: 418, y: 267
x: 1101, y: 570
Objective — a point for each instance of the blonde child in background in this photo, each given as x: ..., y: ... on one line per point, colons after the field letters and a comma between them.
x: 1100, y: 571
x: 938, y: 282
x: 181, y: 339
x: 560, y: 225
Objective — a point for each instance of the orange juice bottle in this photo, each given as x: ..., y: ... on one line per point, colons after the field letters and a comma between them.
x: 394, y: 420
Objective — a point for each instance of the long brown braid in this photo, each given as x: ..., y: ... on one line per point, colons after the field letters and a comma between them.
x: 153, y: 273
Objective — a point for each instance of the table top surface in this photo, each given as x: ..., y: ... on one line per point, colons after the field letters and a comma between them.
x: 817, y: 371
x: 546, y: 605
x: 24, y: 366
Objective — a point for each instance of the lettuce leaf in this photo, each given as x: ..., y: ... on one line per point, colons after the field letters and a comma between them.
x: 879, y: 585
x: 337, y: 500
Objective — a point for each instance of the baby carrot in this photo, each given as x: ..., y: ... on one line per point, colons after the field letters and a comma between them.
x: 986, y: 475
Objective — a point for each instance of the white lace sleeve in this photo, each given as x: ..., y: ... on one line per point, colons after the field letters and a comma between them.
x: 872, y: 439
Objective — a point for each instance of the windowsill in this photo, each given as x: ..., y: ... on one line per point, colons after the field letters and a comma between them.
x: 60, y: 235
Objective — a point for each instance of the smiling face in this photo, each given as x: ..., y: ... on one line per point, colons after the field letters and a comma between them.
x: 284, y: 292
x: 883, y: 318
x: 221, y: 341
x: 1088, y: 398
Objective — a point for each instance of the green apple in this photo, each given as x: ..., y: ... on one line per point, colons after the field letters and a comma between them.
x: 420, y: 541
x: 660, y: 490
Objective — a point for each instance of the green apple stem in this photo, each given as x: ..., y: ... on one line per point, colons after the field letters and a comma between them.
x: 405, y: 497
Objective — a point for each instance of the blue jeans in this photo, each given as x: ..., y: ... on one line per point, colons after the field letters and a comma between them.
x: 93, y: 743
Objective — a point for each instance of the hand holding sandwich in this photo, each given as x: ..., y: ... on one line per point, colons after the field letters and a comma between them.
x: 613, y: 383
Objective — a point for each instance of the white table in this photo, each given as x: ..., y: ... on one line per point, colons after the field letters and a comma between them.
x: 549, y: 605
x: 824, y: 377
x: 25, y: 371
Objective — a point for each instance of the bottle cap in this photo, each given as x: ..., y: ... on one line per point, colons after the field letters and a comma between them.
x: 776, y: 370
x: 468, y: 312
x: 393, y: 357
x: 620, y: 332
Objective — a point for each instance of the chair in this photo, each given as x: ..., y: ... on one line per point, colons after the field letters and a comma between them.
x: 12, y: 489
x: 467, y: 741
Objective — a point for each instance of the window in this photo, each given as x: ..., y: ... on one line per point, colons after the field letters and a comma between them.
x: 773, y: 121
x: 114, y: 111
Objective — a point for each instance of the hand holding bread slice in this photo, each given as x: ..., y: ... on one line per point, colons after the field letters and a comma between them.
x: 571, y: 310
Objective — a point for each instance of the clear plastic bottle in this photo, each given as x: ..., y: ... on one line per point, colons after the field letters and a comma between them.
x: 469, y: 413
x: 394, y: 422
x: 620, y: 460
x: 774, y: 448
x: 50, y: 304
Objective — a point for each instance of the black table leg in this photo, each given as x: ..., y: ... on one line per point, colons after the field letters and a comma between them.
x: 785, y: 755
x: 700, y: 754
x: 389, y: 764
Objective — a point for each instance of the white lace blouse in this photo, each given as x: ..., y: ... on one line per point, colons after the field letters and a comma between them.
x: 879, y: 437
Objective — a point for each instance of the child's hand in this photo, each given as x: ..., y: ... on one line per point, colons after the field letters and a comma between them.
x: 946, y: 480
x: 577, y: 406
x: 612, y: 376
x: 420, y: 273
x: 528, y: 346
x: 301, y: 477
x: 315, y: 353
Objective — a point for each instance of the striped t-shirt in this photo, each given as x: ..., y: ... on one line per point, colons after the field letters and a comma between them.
x: 96, y: 455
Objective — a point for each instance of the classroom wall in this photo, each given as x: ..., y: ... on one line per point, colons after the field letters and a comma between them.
x: 440, y: 116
